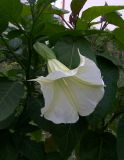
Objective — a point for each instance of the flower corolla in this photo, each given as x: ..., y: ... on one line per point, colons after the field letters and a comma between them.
x: 70, y: 93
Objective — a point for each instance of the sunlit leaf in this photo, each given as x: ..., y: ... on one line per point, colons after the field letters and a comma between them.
x: 96, y: 11
x: 77, y: 5
x: 115, y: 19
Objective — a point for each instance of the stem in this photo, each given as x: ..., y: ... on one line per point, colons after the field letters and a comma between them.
x: 66, y: 22
x: 100, y: 149
x: 30, y: 52
x: 104, y: 26
x: 116, y: 115
x: 32, y: 10
x: 101, y: 26
x: 29, y: 58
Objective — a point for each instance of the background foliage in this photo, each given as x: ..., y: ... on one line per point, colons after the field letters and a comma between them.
x: 24, y: 135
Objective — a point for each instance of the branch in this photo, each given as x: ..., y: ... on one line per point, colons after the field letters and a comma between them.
x: 116, y: 115
x: 66, y: 22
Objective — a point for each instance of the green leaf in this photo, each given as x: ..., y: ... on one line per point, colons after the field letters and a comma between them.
x: 14, y: 33
x: 119, y: 35
x: 54, y: 156
x: 7, y: 152
x: 7, y: 149
x: 9, y: 11
x: 110, y: 75
x: 36, y: 135
x: 35, y: 110
x: 66, y: 50
x: 54, y: 10
x: 25, y: 11
x: 113, y: 59
x: 120, y: 139
x: 7, y: 122
x: 40, y: 27
x: 32, y: 150
x: 81, y: 24
x: 70, y: 136
x: 3, y: 24
x: 96, y: 146
x: 17, y: 146
x: 51, y: 29
x: 77, y: 5
x: 96, y: 11
x: 66, y: 137
x: 10, y: 95
x: 15, y: 10
x: 115, y: 19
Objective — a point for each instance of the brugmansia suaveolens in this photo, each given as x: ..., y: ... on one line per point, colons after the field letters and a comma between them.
x: 69, y: 93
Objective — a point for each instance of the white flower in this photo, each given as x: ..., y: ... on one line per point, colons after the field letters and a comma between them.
x: 70, y: 93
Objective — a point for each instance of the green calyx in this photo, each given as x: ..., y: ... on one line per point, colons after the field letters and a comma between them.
x: 44, y: 51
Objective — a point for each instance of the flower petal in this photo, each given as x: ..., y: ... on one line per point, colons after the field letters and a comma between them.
x: 55, y: 65
x: 58, y: 107
x: 89, y: 72
x: 87, y: 96
x: 70, y: 93
x: 55, y: 76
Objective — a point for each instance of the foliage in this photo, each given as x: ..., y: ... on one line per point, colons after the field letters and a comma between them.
x: 24, y: 134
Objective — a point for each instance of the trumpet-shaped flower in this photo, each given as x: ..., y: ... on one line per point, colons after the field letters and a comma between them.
x: 70, y: 93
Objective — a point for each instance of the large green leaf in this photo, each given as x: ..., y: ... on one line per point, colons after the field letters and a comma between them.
x: 9, y: 11
x: 66, y: 50
x: 81, y: 24
x: 115, y: 60
x: 7, y: 149
x: 120, y: 139
x: 77, y: 5
x: 96, y: 11
x: 32, y: 150
x: 54, y: 10
x: 53, y: 156
x: 25, y: 11
x: 45, y: 24
x: 7, y: 152
x: 96, y: 146
x: 110, y: 75
x: 10, y: 95
x: 67, y: 137
x: 16, y: 146
x: 51, y: 29
x: 115, y: 19
x: 7, y: 122
x: 3, y: 24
